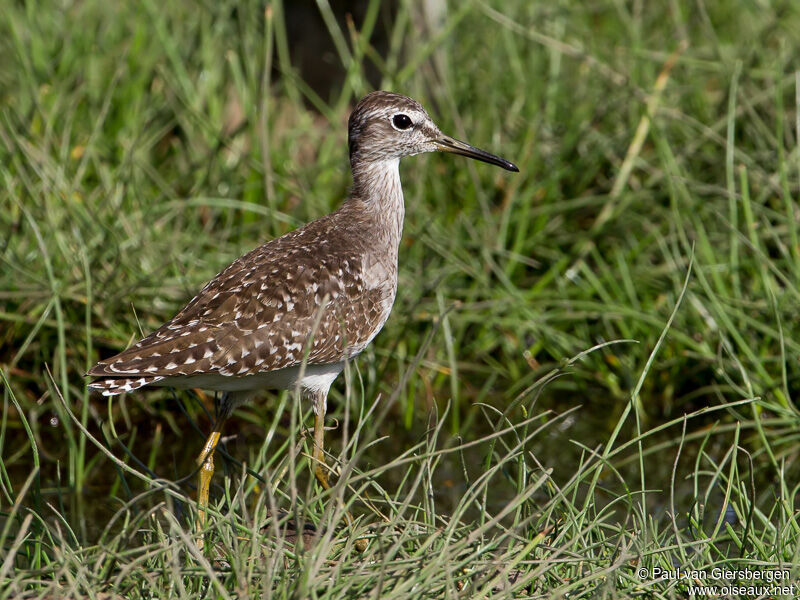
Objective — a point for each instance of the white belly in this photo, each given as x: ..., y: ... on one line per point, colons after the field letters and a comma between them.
x: 315, y: 378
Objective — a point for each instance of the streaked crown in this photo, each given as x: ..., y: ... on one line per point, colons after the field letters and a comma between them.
x: 385, y: 126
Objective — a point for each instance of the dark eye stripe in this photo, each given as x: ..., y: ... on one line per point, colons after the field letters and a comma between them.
x: 402, y: 121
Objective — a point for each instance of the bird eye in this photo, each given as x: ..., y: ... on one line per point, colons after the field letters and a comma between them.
x: 401, y: 122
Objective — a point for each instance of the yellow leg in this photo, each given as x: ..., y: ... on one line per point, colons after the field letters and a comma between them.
x: 206, y: 463
x: 320, y: 469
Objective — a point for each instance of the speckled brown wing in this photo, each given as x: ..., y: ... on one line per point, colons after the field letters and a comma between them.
x: 259, y: 313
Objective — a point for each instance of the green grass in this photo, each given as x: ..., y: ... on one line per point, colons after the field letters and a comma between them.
x: 591, y: 367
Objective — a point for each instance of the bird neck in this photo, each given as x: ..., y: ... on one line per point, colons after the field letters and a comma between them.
x: 377, y: 185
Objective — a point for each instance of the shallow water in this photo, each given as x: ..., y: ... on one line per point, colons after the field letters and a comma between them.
x: 167, y: 437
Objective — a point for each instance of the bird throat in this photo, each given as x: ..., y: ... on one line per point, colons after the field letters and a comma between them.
x: 377, y: 185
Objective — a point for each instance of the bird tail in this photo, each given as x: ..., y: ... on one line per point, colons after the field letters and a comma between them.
x: 111, y: 386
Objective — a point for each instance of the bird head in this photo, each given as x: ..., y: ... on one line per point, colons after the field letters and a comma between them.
x: 387, y: 126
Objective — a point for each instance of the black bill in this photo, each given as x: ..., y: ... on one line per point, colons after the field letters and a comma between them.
x: 448, y: 144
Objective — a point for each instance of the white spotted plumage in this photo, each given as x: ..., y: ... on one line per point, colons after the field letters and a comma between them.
x: 317, y: 295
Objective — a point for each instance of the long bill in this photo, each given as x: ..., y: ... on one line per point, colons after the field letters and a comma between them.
x: 448, y: 144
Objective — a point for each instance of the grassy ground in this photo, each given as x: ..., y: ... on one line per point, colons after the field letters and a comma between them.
x: 591, y: 367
